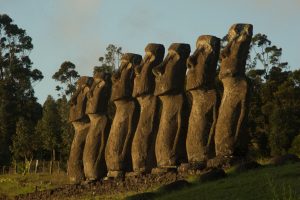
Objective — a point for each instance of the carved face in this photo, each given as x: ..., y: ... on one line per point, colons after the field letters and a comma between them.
x: 234, y: 55
x: 170, y: 74
x: 79, y: 99
x: 144, y: 82
x: 122, y: 80
x: 202, y: 64
x: 99, y: 94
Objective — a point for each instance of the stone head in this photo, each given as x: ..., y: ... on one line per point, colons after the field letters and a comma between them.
x: 170, y: 74
x: 202, y: 63
x: 144, y: 81
x: 99, y: 94
x: 235, y: 53
x: 79, y: 98
x: 84, y: 81
x: 122, y: 80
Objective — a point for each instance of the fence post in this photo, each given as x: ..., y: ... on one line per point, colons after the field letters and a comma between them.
x: 51, y: 164
x: 43, y: 170
x: 58, y: 166
x: 16, y: 167
x: 36, y: 166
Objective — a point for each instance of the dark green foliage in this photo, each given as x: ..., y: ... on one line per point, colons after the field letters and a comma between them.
x: 67, y: 130
x: 111, y: 59
x: 49, y: 127
x: 25, y: 142
x: 16, y: 80
x: 67, y: 76
x: 295, y: 147
x: 275, y: 99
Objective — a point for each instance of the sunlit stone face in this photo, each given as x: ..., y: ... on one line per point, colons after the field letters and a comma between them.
x: 234, y: 55
x: 144, y: 82
x: 99, y: 94
x: 202, y: 64
x: 122, y: 80
x: 170, y: 74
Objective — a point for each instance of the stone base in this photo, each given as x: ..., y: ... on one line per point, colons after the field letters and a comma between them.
x: 191, y: 168
x: 134, y: 174
x: 115, y: 174
x: 161, y: 170
x: 224, y: 161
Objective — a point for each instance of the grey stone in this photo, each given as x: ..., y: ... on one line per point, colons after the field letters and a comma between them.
x: 143, y: 155
x: 118, y: 148
x: 200, y: 83
x: 169, y: 80
x: 230, y: 135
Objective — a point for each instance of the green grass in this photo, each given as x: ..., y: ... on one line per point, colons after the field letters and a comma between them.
x: 274, y: 183
x: 15, y: 184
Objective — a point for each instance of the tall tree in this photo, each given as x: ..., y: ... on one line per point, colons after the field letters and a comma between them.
x: 25, y: 142
x: 49, y: 127
x: 67, y: 76
x: 67, y: 130
x: 111, y: 59
x: 16, y: 81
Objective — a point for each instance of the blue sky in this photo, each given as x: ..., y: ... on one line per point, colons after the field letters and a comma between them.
x: 80, y: 30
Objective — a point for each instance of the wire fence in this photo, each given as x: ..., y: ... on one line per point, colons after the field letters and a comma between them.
x: 35, y: 166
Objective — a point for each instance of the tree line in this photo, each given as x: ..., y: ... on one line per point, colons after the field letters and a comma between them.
x: 29, y: 130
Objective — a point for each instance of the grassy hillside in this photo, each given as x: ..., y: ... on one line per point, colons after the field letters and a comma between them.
x: 12, y: 185
x: 272, y: 182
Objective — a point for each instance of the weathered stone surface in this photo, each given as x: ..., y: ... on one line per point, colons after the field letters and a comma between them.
x: 75, y: 163
x: 142, y: 149
x: 118, y: 148
x: 93, y: 155
x: 192, y: 167
x: 123, y: 79
x: 81, y: 125
x: 144, y: 81
x: 230, y: 137
x: 143, y: 155
x: 170, y: 74
x: 200, y: 83
x: 169, y: 79
x: 79, y: 99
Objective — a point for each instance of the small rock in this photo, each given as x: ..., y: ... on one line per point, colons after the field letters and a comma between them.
x: 212, y: 175
x: 281, y: 160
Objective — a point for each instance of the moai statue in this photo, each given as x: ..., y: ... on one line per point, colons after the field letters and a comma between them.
x: 230, y: 138
x: 201, y: 85
x: 81, y: 124
x: 97, y: 101
x: 142, y: 150
x: 118, y: 148
x: 169, y: 80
